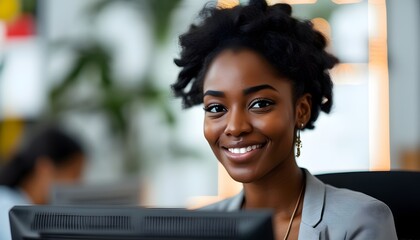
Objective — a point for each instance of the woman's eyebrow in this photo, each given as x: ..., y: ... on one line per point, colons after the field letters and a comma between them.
x: 214, y: 93
x: 246, y: 91
x: 254, y: 89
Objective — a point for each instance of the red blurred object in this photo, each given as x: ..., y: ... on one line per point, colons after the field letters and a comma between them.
x: 23, y: 26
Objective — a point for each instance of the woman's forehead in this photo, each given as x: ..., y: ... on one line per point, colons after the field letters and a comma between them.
x: 241, y: 68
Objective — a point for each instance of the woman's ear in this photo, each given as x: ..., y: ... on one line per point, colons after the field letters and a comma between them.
x: 303, y: 110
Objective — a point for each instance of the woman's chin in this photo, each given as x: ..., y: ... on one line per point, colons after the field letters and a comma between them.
x: 242, y: 176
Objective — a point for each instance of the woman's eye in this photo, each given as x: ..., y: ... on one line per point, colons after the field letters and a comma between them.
x: 215, y: 108
x: 261, y: 103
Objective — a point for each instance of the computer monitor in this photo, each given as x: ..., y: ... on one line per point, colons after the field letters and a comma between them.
x: 122, y: 223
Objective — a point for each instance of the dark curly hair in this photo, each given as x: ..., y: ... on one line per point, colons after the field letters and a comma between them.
x: 293, y: 47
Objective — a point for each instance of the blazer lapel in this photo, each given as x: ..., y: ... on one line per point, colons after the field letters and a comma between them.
x: 308, y: 232
x: 313, y: 206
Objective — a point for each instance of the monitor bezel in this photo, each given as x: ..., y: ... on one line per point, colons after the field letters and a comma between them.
x: 59, y: 222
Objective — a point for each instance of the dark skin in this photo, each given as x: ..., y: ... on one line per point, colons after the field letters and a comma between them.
x: 250, y: 124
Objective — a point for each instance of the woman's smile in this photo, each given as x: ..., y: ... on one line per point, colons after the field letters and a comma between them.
x: 243, y: 150
x: 243, y: 154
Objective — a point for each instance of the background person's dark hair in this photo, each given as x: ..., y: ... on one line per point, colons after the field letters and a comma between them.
x: 293, y: 47
x: 50, y: 142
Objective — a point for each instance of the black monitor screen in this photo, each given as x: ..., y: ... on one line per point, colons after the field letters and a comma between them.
x: 71, y: 223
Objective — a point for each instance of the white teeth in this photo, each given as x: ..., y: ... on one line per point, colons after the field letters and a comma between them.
x: 244, y: 149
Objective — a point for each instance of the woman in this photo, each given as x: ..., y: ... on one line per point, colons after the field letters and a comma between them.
x: 262, y: 76
x: 50, y: 157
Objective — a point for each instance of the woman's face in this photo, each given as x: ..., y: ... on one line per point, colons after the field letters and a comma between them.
x: 249, y: 115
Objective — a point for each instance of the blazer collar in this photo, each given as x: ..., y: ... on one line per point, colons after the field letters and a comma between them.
x: 313, y: 207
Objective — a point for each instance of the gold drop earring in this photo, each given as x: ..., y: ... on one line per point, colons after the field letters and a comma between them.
x: 298, y: 141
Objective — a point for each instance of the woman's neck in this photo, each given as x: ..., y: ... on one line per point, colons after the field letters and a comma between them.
x: 279, y: 190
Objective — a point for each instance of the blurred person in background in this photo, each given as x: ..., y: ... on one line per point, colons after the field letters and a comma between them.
x: 263, y: 76
x: 50, y: 157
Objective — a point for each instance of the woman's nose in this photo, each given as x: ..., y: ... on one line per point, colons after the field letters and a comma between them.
x: 237, y: 123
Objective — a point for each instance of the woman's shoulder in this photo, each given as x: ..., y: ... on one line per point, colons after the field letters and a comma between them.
x: 339, y: 213
x: 342, y: 213
x: 342, y: 203
x: 334, y: 192
x: 339, y: 198
x: 358, y: 214
x: 349, y: 199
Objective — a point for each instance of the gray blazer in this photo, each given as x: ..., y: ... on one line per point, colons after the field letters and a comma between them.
x: 331, y: 213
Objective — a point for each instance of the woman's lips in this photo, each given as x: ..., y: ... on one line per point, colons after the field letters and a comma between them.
x: 242, y: 154
x: 243, y: 150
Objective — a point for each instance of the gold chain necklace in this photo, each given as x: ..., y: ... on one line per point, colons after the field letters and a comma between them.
x: 294, y: 212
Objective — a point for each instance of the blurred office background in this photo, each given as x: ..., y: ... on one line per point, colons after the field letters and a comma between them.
x: 102, y: 70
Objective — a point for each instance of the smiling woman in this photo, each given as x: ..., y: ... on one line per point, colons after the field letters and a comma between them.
x: 262, y: 76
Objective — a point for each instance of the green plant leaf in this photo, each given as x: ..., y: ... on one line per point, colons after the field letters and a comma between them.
x: 162, y: 13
